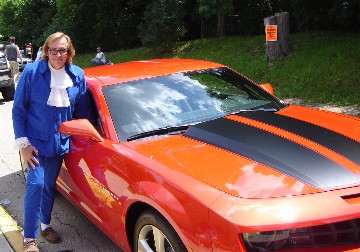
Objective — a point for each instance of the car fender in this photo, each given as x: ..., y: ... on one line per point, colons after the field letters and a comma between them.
x: 170, y: 207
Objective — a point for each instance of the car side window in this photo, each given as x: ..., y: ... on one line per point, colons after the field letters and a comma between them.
x: 98, y: 125
x: 94, y: 114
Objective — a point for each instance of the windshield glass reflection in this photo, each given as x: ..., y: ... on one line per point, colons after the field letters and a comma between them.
x: 181, y: 99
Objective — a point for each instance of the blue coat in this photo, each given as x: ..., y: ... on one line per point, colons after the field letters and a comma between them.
x: 39, y: 122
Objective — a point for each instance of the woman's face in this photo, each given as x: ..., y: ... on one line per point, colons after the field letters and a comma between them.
x: 58, y: 52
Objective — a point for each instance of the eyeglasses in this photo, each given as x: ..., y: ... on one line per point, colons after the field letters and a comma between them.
x: 54, y: 51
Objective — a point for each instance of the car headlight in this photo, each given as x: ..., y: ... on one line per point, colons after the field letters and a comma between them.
x: 266, y: 241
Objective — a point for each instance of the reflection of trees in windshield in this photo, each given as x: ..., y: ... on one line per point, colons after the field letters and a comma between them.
x: 160, y: 101
x: 163, y: 99
x: 214, y: 81
x: 149, y: 104
x: 178, y: 99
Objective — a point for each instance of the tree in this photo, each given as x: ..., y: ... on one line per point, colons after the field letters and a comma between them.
x: 345, y: 14
x: 26, y: 20
x: 8, y: 13
x: 163, y: 23
x: 74, y: 18
x: 116, y: 23
x: 221, y: 8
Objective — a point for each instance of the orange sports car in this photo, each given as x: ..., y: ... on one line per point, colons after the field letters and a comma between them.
x: 190, y: 155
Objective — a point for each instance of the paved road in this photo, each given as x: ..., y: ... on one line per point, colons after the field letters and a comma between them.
x: 79, y: 234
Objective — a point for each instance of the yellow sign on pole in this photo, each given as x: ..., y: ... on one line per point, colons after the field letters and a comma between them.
x: 271, y: 32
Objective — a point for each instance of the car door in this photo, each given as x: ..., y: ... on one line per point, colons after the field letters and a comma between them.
x: 94, y: 180
x: 93, y: 174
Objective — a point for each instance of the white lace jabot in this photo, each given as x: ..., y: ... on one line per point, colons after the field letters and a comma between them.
x: 60, y: 80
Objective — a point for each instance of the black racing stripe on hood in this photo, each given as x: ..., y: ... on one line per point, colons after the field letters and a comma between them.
x: 274, y: 151
x: 334, y: 141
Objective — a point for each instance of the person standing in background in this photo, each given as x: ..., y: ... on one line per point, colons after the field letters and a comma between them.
x: 12, y: 53
x: 39, y: 54
x: 29, y: 50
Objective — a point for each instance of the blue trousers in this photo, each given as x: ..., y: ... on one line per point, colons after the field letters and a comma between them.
x: 39, y: 193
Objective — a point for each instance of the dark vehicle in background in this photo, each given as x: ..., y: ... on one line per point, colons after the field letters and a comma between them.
x: 26, y: 60
x: 7, y: 85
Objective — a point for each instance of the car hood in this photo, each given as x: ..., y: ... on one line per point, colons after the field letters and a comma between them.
x: 295, y: 151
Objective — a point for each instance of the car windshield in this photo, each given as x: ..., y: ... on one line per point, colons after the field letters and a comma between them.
x: 145, y: 107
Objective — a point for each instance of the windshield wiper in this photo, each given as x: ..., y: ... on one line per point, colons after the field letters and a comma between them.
x: 159, y: 131
x: 259, y: 109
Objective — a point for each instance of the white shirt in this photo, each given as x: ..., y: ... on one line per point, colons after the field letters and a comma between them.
x: 101, y: 56
x: 60, y: 81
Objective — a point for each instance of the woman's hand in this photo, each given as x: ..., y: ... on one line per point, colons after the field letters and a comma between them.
x: 28, y: 156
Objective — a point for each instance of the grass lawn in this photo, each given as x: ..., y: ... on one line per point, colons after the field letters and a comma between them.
x: 322, y: 68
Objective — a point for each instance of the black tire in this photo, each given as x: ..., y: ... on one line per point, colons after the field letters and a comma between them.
x: 151, y: 224
x: 8, y: 92
x: 24, y: 167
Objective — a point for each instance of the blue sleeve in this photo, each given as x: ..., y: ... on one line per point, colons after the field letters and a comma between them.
x: 21, y: 99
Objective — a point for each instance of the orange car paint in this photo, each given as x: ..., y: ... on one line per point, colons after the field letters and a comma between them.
x: 176, y: 175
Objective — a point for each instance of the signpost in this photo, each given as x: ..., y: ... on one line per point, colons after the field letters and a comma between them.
x: 277, y: 36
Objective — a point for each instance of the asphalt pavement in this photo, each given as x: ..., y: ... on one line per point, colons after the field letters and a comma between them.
x: 10, y: 233
x: 11, y: 238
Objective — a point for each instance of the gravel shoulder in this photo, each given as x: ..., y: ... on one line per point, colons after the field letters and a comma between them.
x: 350, y: 110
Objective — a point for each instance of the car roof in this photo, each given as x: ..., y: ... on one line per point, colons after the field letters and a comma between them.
x: 135, y: 70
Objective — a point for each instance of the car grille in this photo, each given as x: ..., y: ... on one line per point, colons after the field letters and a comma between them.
x: 340, y: 233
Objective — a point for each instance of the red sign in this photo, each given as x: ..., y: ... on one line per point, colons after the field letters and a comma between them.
x: 271, y: 32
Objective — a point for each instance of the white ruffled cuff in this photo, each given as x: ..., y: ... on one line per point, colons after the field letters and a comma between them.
x: 21, y: 143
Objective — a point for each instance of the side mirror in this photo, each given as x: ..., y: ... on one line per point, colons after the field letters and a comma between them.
x: 80, y: 127
x: 267, y: 87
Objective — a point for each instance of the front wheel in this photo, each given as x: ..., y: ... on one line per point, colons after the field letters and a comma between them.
x: 154, y: 234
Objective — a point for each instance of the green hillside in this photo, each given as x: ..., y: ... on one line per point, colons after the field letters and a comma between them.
x: 323, y: 67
